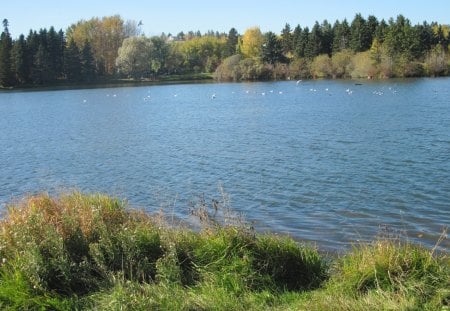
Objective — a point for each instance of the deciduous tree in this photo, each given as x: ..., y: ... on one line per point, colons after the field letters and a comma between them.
x: 252, y: 42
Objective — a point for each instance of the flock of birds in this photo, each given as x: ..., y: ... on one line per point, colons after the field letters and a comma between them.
x: 348, y: 91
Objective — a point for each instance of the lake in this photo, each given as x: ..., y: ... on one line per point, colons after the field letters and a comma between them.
x: 333, y: 162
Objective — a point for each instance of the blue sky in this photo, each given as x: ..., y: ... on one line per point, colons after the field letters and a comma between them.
x: 177, y: 15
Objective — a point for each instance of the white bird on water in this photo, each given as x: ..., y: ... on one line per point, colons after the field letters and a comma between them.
x: 213, y: 96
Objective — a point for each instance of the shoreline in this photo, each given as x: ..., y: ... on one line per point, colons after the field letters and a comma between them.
x: 180, y: 79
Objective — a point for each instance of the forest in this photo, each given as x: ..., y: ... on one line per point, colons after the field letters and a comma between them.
x: 110, y: 48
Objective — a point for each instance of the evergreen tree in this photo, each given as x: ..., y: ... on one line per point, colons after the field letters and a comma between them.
x: 232, y: 43
x: 302, y: 43
x: 41, y: 70
x: 426, y: 36
x: 72, y: 63
x: 341, y: 36
x: 314, y: 45
x: 54, y: 54
x: 381, y: 30
x: 360, y: 39
x: 439, y: 38
x: 19, y: 61
x: 287, y: 40
x: 87, y: 63
x: 327, y: 38
x: 6, y: 73
x: 372, y: 25
x: 272, y: 49
x: 296, y: 40
x: 402, y: 39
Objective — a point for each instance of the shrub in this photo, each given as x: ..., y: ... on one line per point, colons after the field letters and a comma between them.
x: 394, y: 267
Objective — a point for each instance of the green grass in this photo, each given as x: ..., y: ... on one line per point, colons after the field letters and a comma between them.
x: 91, y: 252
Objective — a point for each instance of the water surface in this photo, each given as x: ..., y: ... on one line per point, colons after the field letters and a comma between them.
x: 327, y: 161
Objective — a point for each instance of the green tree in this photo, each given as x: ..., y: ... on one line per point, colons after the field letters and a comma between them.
x: 360, y: 38
x: 341, y: 36
x: 6, y: 73
x: 159, y: 55
x: 19, y: 60
x: 232, y: 43
x: 381, y: 30
x: 301, y: 41
x: 72, y: 62
x: 55, y: 54
x: 327, y: 38
x: 426, y: 36
x: 371, y: 25
x: 272, y: 49
x: 88, y: 68
x: 313, y: 46
x: 134, y: 57
x: 287, y: 41
x: 41, y: 72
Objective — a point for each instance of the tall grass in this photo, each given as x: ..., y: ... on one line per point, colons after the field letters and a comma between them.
x: 79, y: 251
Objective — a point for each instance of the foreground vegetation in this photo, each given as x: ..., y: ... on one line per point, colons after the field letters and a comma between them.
x: 81, y: 252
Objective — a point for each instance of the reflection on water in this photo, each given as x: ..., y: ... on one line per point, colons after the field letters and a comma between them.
x: 327, y: 161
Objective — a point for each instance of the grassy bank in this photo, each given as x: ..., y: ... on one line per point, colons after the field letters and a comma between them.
x: 77, y: 252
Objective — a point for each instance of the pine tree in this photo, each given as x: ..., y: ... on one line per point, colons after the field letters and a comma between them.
x: 296, y: 39
x: 232, y: 43
x: 41, y: 72
x: 327, y: 38
x: 272, y: 49
x: 381, y: 30
x: 287, y: 40
x: 372, y: 25
x: 314, y: 45
x: 87, y: 63
x: 54, y: 54
x: 6, y: 73
x: 301, y: 41
x: 341, y: 36
x: 72, y: 63
x: 359, y: 34
x: 19, y: 61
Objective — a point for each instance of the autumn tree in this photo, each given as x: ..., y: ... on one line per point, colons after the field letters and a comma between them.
x: 252, y: 42
x: 105, y: 37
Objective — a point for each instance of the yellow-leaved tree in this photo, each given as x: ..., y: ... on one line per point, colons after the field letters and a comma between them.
x: 251, y: 42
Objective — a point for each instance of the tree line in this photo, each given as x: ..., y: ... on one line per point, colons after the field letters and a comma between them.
x: 110, y: 47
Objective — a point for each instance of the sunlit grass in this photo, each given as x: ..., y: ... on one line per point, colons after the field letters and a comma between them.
x: 78, y: 251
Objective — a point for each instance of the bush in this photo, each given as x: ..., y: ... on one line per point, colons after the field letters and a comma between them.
x: 395, y: 268
x: 229, y: 69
